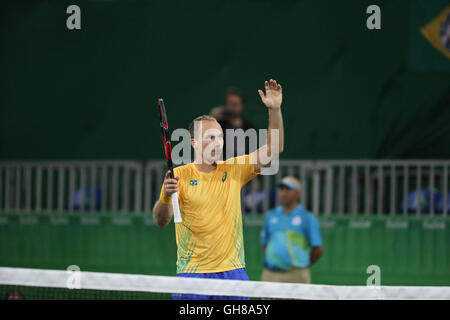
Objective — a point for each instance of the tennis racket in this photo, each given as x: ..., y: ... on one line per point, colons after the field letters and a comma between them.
x: 168, y: 151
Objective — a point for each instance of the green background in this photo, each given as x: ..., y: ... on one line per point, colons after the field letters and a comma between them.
x: 91, y: 93
x: 127, y: 243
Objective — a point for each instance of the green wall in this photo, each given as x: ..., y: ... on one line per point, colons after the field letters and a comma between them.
x: 409, y: 250
x: 91, y: 93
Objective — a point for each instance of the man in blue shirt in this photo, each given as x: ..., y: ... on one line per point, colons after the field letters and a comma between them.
x: 290, y: 238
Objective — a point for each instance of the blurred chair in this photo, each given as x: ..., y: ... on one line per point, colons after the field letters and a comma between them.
x: 81, y: 200
x: 439, y: 207
x: 255, y: 199
x: 425, y: 201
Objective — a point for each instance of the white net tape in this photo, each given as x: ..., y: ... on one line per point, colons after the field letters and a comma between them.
x: 255, y: 289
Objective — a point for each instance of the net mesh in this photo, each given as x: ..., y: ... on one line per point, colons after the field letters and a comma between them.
x: 40, y: 284
x: 10, y: 292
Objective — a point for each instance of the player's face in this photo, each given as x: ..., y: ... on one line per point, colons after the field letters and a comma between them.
x: 287, y: 196
x: 210, y: 140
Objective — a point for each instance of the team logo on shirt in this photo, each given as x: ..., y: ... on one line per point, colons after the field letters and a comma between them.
x: 296, y: 221
x: 193, y: 182
x: 224, y: 176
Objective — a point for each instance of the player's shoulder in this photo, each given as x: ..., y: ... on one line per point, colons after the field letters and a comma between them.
x: 243, y: 159
x: 183, y: 170
x: 231, y: 163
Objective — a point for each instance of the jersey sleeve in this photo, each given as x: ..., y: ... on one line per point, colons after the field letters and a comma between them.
x: 162, y: 192
x: 314, y: 235
x: 244, y: 166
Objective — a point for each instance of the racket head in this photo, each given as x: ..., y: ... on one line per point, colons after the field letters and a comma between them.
x: 165, y: 134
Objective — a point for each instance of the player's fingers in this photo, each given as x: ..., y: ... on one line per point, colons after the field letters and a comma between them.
x: 171, y: 181
x: 280, y: 88
x: 172, y: 188
x: 273, y: 84
x: 167, y: 175
x: 177, y: 178
x: 171, y: 185
x: 261, y: 94
x: 171, y: 192
x: 266, y: 84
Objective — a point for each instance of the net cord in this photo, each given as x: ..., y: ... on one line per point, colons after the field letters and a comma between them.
x: 255, y: 289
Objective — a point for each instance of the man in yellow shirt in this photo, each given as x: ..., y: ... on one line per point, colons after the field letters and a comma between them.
x: 210, y: 242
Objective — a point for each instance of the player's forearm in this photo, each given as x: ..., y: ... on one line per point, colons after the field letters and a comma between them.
x: 163, y: 213
x: 275, y: 123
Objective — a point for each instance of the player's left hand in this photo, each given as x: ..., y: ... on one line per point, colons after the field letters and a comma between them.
x: 274, y: 95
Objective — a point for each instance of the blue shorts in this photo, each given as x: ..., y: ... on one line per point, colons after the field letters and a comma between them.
x: 237, y: 274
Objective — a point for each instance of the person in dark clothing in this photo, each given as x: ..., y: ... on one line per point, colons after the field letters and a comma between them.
x: 230, y: 117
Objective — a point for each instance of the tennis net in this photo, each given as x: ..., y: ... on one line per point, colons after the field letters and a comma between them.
x: 41, y: 284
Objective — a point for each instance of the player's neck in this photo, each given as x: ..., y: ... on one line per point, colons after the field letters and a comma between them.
x: 205, y: 168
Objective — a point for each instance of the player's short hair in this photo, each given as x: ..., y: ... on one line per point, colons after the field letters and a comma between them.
x: 200, y: 118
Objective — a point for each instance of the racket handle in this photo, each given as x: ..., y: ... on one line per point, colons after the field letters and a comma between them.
x: 176, y: 208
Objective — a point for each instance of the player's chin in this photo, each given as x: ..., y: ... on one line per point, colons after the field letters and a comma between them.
x: 218, y: 156
x: 213, y: 158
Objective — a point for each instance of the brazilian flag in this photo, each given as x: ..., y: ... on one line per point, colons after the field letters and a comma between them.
x: 430, y: 36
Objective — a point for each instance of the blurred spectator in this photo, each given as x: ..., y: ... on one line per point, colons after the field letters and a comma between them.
x: 14, y: 295
x: 290, y: 238
x: 230, y: 117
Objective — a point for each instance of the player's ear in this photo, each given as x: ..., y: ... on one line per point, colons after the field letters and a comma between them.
x: 193, y: 143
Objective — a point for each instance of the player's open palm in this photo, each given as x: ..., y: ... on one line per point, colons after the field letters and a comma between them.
x: 274, y: 95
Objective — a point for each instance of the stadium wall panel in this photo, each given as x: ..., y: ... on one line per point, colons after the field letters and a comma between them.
x: 91, y: 93
x: 408, y: 250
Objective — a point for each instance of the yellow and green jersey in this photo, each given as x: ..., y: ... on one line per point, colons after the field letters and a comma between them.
x: 210, y: 238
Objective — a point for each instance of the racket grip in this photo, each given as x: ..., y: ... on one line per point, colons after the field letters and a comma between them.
x: 176, y: 208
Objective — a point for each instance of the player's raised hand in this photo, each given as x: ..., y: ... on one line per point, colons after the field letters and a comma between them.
x: 274, y: 94
x: 170, y: 185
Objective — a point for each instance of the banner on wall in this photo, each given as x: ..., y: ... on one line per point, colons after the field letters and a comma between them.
x: 430, y: 36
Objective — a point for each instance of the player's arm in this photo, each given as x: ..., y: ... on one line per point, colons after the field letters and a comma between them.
x: 272, y: 99
x: 162, y: 210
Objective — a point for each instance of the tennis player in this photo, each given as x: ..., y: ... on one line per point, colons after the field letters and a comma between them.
x: 210, y: 242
